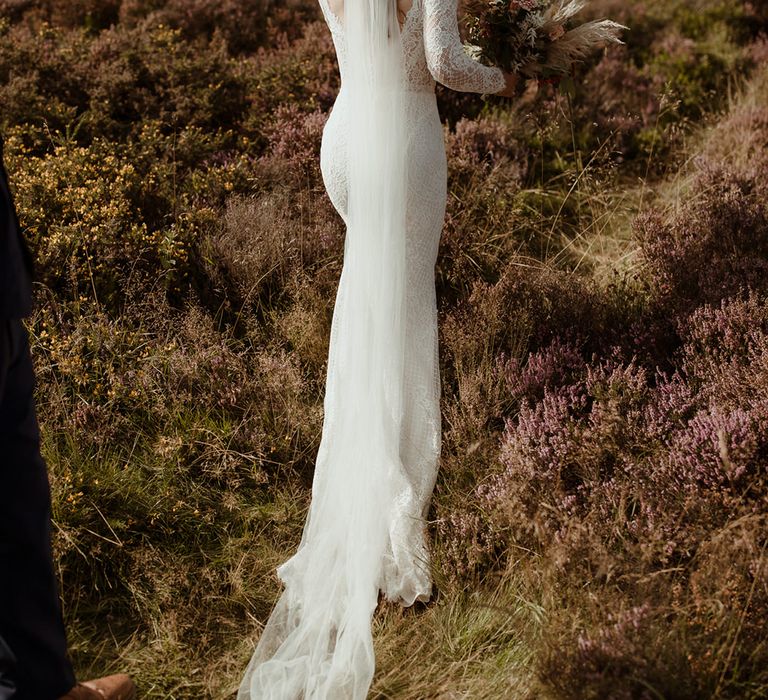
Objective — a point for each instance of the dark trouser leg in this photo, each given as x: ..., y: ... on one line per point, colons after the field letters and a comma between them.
x: 30, y: 614
x: 7, y: 671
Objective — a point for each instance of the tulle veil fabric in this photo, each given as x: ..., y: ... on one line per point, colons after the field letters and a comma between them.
x: 317, y: 643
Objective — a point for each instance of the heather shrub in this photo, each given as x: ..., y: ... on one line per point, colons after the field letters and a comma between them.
x: 486, y: 168
x: 478, y: 146
x: 696, y: 75
x: 265, y: 246
x: 711, y: 441
x: 150, y: 73
x: 38, y: 83
x: 555, y: 364
x: 504, y: 347
x: 294, y: 139
x: 301, y: 73
x: 243, y: 25
x: 630, y: 655
x: 740, y: 138
x: 91, y: 14
x: 111, y: 83
x: 622, y: 100
x: 723, y: 346
x: 716, y: 245
x: 479, y: 328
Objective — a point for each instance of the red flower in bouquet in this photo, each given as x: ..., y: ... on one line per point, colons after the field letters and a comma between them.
x: 528, y: 5
x: 556, y: 33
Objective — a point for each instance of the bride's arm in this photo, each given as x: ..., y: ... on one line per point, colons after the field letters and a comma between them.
x: 448, y: 63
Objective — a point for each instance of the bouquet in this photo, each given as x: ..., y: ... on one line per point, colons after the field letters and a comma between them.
x: 538, y: 38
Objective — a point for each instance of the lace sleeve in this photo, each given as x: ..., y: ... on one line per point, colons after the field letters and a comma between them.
x: 447, y: 60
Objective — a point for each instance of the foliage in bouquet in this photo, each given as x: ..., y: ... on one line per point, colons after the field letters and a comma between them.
x: 538, y: 38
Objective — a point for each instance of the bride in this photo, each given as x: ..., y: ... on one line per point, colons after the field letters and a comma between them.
x: 383, y: 164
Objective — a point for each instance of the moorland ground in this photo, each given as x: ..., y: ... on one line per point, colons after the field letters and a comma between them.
x: 599, y: 523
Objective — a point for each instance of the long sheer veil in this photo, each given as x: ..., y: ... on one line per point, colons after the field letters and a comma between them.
x: 317, y: 642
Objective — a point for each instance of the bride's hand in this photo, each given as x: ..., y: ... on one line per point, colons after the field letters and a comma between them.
x: 512, y: 85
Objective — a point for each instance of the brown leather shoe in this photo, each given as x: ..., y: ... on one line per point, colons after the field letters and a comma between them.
x: 116, y: 687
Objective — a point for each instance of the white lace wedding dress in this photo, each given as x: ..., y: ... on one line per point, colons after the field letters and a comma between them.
x: 317, y: 642
x: 433, y: 51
